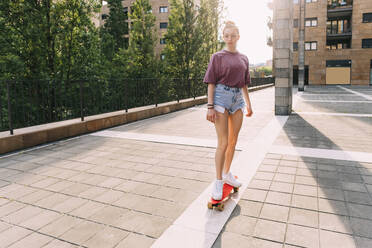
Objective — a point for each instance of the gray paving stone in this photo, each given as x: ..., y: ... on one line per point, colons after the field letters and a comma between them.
x: 254, y: 195
x: 87, y: 209
x: 22, y: 215
x: 358, y: 197
x: 278, y: 198
x: 361, y: 227
x: 60, y: 226
x: 307, y: 190
x: 270, y: 230
x: 249, y: 208
x: 241, y: 225
x: 106, y: 238
x: 305, y: 202
x: 10, y: 207
x: 333, y: 207
x: 12, y: 235
x: 34, y: 240
x: 281, y: 187
x: 332, y: 194
x: 336, y: 223
x: 82, y: 232
x: 274, y: 212
x: 259, y: 184
x: 363, y: 242
x: 286, y: 178
x: 56, y: 243
x: 361, y: 211
x: 40, y: 220
x: 228, y: 239
x: 264, y: 175
x: 336, y: 240
x: 108, y: 214
x: 303, y: 217
x: 287, y: 170
x: 302, y: 236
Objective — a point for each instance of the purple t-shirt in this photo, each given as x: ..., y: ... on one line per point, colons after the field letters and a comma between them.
x: 231, y: 69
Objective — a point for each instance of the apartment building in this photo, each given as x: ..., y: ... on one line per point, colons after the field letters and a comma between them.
x: 338, y: 41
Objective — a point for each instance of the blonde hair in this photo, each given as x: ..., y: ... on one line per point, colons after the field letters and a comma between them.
x: 230, y: 24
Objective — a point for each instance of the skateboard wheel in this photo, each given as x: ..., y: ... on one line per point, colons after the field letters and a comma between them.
x: 220, y: 207
x: 236, y: 189
x: 210, y: 205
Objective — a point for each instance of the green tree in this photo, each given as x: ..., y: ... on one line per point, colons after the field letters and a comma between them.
x: 115, y: 29
x: 140, y: 53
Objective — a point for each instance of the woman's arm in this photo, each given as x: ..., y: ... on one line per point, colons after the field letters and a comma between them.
x: 211, y: 115
x: 247, y: 101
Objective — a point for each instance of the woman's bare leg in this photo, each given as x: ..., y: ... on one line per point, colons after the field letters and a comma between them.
x: 221, y: 125
x: 234, y: 124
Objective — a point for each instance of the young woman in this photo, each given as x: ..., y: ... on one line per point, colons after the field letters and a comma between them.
x: 227, y: 77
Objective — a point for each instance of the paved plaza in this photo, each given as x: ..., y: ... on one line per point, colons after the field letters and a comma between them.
x: 307, y: 181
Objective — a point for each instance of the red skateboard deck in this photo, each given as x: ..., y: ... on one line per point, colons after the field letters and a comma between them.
x: 226, y: 192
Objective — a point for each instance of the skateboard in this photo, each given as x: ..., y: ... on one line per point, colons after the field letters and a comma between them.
x: 226, y: 192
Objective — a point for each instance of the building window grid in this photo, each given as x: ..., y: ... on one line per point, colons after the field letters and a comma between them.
x: 311, y: 1
x: 295, y: 23
x: 164, y: 25
x: 311, y: 45
x: 295, y: 46
x: 163, y: 9
x: 311, y: 22
x: 366, y: 43
x: 367, y: 17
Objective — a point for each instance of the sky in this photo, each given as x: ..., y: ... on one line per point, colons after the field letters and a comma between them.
x: 251, y: 18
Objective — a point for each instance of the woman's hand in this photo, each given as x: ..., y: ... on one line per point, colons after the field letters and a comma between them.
x: 249, y: 111
x: 211, y: 115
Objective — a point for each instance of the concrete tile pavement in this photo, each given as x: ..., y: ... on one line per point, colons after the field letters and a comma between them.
x: 95, y: 191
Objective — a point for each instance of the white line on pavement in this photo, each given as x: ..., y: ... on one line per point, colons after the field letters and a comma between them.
x: 338, y: 101
x: 177, y: 140
x: 199, y: 227
x: 322, y: 153
x: 357, y: 93
x: 333, y: 114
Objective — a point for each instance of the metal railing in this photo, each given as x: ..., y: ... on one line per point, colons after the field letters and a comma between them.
x: 25, y: 103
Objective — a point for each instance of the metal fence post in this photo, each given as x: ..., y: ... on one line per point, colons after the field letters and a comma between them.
x: 9, y: 109
x: 126, y: 95
x: 157, y: 82
x: 81, y: 101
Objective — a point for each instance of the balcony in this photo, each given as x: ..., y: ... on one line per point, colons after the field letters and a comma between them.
x: 340, y: 8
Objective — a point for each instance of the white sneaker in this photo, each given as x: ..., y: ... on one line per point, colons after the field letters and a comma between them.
x: 217, y: 190
x: 231, y: 180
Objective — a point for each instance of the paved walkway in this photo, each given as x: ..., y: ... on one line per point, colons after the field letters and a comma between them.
x: 307, y: 183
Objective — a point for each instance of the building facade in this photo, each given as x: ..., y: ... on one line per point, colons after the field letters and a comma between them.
x: 337, y: 40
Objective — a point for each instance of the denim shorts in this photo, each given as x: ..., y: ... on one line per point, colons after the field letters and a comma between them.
x: 228, y: 98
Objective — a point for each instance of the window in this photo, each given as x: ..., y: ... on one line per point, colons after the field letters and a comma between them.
x: 334, y: 44
x: 338, y: 26
x: 162, y: 41
x: 295, y: 1
x: 295, y: 46
x: 311, y: 22
x: 367, y: 43
x: 295, y: 23
x: 367, y: 17
x: 311, y: 1
x: 311, y: 45
x: 104, y: 16
x: 162, y: 57
x: 163, y: 25
x: 163, y: 9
